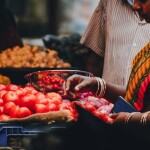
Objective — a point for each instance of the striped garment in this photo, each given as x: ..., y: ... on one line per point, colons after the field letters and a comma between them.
x: 139, y: 82
x: 117, y: 32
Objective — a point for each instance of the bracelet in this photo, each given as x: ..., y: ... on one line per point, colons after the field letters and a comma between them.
x: 103, y: 87
x: 98, y: 86
x: 143, y: 119
x: 101, y: 90
x: 104, y: 83
x: 129, y: 116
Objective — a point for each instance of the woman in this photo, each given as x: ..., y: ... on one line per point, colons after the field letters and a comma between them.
x: 138, y: 89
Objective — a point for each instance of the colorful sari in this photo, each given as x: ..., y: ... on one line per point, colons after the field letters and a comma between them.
x: 138, y: 89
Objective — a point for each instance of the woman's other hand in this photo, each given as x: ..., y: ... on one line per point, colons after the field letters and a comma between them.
x: 119, y: 118
x: 127, y: 118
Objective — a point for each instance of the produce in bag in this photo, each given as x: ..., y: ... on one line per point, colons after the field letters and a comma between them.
x: 99, y: 107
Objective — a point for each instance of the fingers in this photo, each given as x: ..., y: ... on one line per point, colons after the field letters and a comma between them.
x: 80, y: 83
x: 64, y: 88
x: 81, y: 86
x: 68, y: 84
x: 72, y: 82
x: 68, y: 93
x: 113, y: 116
x: 69, y: 87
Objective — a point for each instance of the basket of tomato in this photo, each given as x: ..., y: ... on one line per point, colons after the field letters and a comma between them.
x: 25, y: 112
x: 26, y: 104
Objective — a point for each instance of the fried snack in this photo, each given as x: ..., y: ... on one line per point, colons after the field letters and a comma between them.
x: 31, y: 57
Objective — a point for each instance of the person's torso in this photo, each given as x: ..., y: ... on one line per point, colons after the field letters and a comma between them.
x: 126, y: 35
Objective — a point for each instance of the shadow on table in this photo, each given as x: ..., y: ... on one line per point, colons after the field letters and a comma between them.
x: 90, y: 133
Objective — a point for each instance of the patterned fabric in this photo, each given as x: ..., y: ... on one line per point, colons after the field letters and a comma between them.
x: 139, y: 79
x: 116, y: 32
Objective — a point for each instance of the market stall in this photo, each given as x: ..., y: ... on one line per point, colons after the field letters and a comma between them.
x: 41, y: 106
x: 35, y: 114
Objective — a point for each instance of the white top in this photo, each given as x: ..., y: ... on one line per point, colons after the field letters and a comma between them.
x: 116, y: 32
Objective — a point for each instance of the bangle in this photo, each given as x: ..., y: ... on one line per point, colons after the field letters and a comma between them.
x: 98, y: 86
x: 104, y: 83
x: 102, y: 88
x: 143, y: 119
x: 129, y: 116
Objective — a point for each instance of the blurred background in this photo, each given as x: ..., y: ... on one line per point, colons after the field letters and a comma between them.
x: 56, y: 25
x: 59, y: 17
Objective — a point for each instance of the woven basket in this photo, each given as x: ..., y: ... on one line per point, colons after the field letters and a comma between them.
x: 50, y: 118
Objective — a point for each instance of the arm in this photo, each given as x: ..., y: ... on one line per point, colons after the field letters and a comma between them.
x: 137, y: 123
x: 113, y: 91
x: 77, y: 83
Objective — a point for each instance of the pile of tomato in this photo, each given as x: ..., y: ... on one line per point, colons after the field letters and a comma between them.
x: 51, y: 83
x: 19, y: 102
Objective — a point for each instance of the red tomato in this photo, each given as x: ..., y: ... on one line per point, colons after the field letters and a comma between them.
x: 55, y: 101
x: 55, y: 86
x: 1, y: 102
x: 20, y: 92
x: 7, y: 107
x: 23, y: 112
x: 66, y: 104
x: 24, y: 90
x: 41, y: 108
x: 53, y: 107
x: 2, y: 87
x: 34, y: 92
x: 12, y: 87
x: 31, y: 90
x: 4, y: 117
x: 89, y: 107
x: 13, y: 111
x: 44, y: 101
x: 54, y: 97
x: 28, y: 101
x: 1, y: 110
x: 10, y: 96
x: 2, y: 92
x: 40, y: 96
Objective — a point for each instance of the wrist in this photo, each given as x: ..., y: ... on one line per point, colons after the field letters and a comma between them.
x: 133, y: 118
x: 101, y: 87
x: 144, y: 118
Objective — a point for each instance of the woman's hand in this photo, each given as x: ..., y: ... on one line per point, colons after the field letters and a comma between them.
x: 128, y: 118
x: 78, y: 83
x: 119, y: 118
